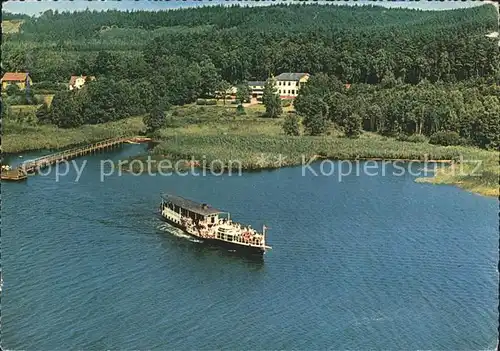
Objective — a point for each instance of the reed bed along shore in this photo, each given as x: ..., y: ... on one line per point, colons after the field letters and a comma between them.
x: 22, y: 137
x: 220, y: 138
x: 478, y: 178
x: 478, y: 174
x: 276, y: 151
x: 259, y: 143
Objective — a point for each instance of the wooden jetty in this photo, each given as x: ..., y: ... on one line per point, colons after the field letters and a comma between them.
x: 32, y: 166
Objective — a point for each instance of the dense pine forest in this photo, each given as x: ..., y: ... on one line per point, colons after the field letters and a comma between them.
x: 411, y: 71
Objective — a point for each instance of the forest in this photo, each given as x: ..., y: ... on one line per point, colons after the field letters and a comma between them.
x: 411, y: 71
x: 465, y: 113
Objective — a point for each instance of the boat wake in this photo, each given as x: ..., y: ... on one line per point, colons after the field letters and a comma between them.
x: 165, y: 227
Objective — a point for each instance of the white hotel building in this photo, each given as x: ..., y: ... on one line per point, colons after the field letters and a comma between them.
x: 288, y: 84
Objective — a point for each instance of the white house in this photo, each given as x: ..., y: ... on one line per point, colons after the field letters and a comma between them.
x: 256, y: 88
x: 288, y: 84
x: 77, y: 82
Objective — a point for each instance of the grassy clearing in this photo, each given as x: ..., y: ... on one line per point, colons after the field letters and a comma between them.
x: 11, y: 26
x: 23, y: 108
x: 47, y: 98
x: 21, y: 137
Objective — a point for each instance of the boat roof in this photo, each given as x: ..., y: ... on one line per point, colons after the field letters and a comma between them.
x: 190, y: 205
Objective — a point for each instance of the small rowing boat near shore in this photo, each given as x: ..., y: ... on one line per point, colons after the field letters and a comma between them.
x: 13, y: 174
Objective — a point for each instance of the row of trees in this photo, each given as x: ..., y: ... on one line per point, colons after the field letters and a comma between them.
x: 472, y: 110
x: 83, y: 25
x: 406, y: 44
x: 100, y: 101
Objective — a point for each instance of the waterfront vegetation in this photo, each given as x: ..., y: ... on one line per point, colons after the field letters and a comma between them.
x: 206, y: 134
x: 21, y: 137
x: 483, y: 180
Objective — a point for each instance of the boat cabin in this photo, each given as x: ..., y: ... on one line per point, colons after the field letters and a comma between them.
x: 191, y: 209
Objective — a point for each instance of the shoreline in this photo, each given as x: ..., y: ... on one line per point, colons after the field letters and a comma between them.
x: 383, y: 159
x: 436, y: 178
x: 439, y: 178
x: 253, y: 144
x: 466, y: 182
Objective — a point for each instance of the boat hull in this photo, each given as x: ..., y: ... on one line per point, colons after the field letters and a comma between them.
x: 243, y: 249
x: 13, y: 176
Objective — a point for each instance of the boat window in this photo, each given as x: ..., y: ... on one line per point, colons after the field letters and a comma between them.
x: 230, y: 238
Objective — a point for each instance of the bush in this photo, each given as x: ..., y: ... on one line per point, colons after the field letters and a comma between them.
x: 12, y: 90
x: 352, y: 125
x: 156, y: 119
x: 23, y: 116
x: 240, y: 110
x: 234, y: 102
x: 172, y: 122
x: 291, y: 125
x: 446, y: 139
x: 415, y: 138
x: 46, y: 85
x: 211, y: 102
x: 201, y: 102
x: 286, y: 102
x: 314, y: 124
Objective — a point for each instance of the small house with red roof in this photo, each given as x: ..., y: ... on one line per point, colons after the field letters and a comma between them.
x: 21, y: 79
x: 77, y: 82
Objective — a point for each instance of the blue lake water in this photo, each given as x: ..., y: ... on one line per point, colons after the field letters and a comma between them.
x: 370, y: 262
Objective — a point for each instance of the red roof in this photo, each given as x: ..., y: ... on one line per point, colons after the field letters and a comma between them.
x: 14, y: 77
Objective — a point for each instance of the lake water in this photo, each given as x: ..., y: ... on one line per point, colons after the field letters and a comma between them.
x: 371, y: 262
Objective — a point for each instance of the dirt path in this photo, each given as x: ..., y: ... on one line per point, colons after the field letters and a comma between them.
x: 252, y: 102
